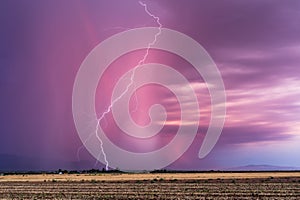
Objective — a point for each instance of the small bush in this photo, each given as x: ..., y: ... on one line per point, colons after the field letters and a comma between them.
x: 93, y: 181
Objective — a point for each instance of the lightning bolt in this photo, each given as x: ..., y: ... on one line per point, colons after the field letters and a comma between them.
x: 142, y: 61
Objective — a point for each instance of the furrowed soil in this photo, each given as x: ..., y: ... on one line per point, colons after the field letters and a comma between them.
x: 262, y: 185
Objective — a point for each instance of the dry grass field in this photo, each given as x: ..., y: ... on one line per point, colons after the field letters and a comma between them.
x: 261, y: 185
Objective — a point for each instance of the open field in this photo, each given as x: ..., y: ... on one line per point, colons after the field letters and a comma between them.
x: 262, y: 185
x: 142, y: 176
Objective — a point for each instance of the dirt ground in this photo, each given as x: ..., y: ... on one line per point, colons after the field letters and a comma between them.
x: 145, y: 176
x: 219, y: 186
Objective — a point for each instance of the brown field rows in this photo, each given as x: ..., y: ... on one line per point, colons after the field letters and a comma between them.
x: 142, y: 176
x: 267, y: 185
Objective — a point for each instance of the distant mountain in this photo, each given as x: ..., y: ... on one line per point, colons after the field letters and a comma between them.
x: 262, y: 168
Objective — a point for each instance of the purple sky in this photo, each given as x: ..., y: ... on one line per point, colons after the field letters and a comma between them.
x: 255, y: 44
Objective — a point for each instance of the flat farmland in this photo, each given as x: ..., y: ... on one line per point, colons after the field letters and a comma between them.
x: 260, y: 185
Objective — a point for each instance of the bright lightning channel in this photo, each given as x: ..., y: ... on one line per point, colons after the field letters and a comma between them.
x: 142, y: 61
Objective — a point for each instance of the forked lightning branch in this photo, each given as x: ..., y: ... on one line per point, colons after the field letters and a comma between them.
x: 92, y: 69
x: 142, y: 61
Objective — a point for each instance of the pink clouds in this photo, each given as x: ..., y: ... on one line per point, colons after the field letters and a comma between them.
x: 255, y: 44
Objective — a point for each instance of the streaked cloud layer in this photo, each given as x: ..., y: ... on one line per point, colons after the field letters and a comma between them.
x: 255, y: 44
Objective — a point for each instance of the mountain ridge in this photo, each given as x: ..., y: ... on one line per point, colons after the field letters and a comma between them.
x: 262, y: 167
